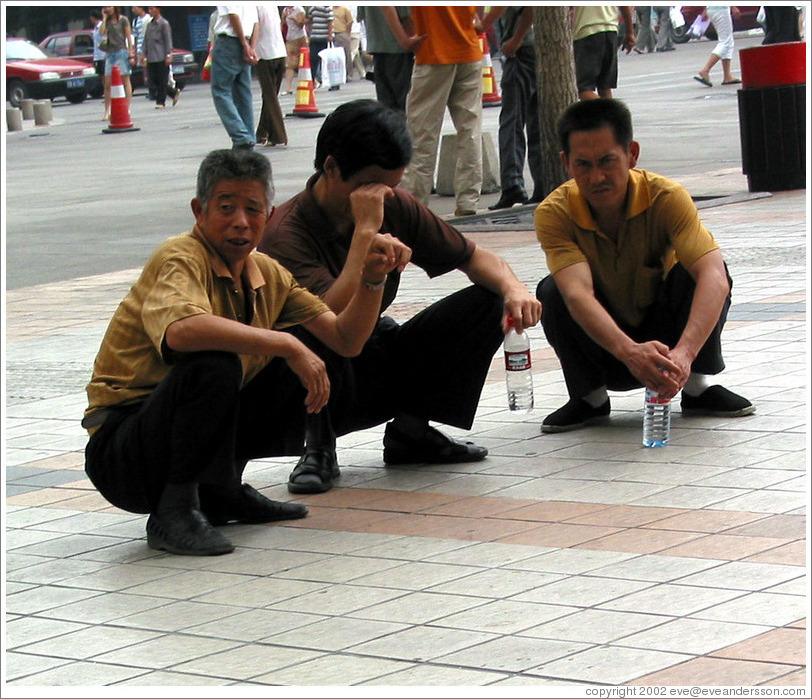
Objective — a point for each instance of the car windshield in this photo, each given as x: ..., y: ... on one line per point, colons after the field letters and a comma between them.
x: 23, y: 51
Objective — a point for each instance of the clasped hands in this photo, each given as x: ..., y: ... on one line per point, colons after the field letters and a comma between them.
x: 659, y: 368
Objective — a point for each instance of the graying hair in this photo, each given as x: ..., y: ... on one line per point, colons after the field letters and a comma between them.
x: 236, y: 164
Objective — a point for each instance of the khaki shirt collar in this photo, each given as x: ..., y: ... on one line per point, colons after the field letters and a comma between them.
x: 251, y: 273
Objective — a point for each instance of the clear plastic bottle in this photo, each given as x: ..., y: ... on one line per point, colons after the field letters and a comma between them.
x: 656, y: 420
x: 518, y: 370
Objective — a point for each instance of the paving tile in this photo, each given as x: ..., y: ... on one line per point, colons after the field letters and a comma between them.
x: 693, y: 636
x: 89, y: 642
x: 787, y: 646
x: 744, y: 576
x: 421, y: 643
x: 583, y: 591
x: 427, y: 675
x: 559, y: 535
x: 722, y: 546
x: 609, y: 665
x: 495, y: 583
x: 333, y: 634
x: 675, y: 600
x: 337, y: 599
x: 512, y: 653
x: 166, y: 651
x: 417, y: 575
x: 486, y: 554
x: 80, y: 674
x: 252, y: 625
x: 571, y: 561
x: 789, y: 554
x: 715, y: 672
x: 171, y: 617
x: 503, y: 616
x: 416, y: 607
x: 758, y: 608
x: 594, y: 626
x: 246, y: 662
x: 20, y: 665
x: 172, y: 679
x: 640, y: 541
x: 31, y: 629
x: 339, y: 569
x: 773, y: 526
x: 334, y: 670
x: 707, y: 521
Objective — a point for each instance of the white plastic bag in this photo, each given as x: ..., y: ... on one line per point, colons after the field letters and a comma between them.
x: 333, y: 66
x: 675, y: 14
x: 698, y: 28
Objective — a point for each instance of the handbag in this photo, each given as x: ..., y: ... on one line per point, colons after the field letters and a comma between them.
x: 333, y: 66
x: 205, y: 74
x: 104, y: 43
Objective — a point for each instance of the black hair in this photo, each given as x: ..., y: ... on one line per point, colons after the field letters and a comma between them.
x: 362, y: 133
x: 96, y: 14
x: 593, y: 114
x: 233, y: 164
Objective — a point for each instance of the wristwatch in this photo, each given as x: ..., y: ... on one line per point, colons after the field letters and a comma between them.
x: 374, y: 286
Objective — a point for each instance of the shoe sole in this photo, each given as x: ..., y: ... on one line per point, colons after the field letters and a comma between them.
x: 156, y: 542
x: 460, y: 459
x: 701, y: 412
x: 557, y: 429
x: 306, y: 489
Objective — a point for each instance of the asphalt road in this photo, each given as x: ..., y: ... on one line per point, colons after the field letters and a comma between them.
x: 79, y: 202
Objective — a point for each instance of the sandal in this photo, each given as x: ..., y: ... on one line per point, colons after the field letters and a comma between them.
x: 314, y: 473
x: 704, y: 81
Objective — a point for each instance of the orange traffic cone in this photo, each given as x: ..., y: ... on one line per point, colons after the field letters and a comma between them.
x: 490, y: 93
x: 305, y: 90
x: 119, y: 111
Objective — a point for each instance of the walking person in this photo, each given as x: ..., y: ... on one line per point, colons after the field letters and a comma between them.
x: 270, y: 49
x: 117, y: 35
x: 320, y: 31
x: 98, y: 55
x: 157, y: 52
x: 295, y: 38
x: 721, y: 16
x: 665, y: 29
x: 231, y: 61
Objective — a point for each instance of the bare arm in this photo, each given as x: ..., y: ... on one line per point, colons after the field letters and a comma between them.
x: 372, y: 255
x: 487, y: 269
x: 629, y: 40
x: 408, y: 41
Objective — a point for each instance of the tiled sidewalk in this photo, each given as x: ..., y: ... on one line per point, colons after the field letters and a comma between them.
x: 560, y: 560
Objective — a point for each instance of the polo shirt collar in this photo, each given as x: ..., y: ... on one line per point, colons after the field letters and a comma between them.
x: 638, y: 200
x: 251, y: 272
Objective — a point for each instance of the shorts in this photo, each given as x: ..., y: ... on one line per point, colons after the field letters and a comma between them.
x: 293, y: 47
x: 596, y: 61
x: 119, y: 58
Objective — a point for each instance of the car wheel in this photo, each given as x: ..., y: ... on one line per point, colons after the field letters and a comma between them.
x: 76, y: 97
x: 679, y: 35
x: 16, y: 92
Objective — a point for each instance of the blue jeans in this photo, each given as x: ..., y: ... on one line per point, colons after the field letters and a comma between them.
x: 231, y: 90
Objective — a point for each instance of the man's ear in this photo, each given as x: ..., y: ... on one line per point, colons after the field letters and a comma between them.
x: 197, y: 207
x: 634, y: 153
x: 331, y: 168
x: 565, y: 160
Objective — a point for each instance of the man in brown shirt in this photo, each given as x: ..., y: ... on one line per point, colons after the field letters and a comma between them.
x: 195, y: 375
x: 431, y: 367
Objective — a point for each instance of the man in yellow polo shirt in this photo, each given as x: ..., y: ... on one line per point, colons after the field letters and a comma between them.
x: 638, y: 291
x: 195, y: 375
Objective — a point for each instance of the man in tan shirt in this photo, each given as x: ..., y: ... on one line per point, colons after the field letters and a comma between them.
x: 196, y: 376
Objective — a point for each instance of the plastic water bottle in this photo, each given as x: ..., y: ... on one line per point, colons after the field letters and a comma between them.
x: 656, y: 420
x: 518, y: 370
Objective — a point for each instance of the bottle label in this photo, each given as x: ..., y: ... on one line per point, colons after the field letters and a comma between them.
x: 654, y: 398
x: 517, y: 361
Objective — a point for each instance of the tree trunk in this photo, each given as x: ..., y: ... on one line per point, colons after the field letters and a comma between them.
x: 555, y: 77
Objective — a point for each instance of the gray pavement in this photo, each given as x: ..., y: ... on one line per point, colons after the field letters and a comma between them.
x: 560, y: 562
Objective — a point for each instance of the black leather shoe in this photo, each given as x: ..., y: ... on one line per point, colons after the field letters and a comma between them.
x: 314, y: 473
x: 432, y: 448
x: 716, y: 401
x: 185, y: 533
x: 252, y: 507
x: 575, y: 414
x: 511, y: 196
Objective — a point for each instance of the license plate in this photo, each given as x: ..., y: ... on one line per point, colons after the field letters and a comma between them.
x: 177, y: 69
x: 76, y: 82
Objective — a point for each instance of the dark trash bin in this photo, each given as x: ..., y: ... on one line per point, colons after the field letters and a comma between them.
x: 772, y: 116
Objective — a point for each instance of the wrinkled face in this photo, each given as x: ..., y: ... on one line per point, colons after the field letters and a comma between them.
x: 600, y: 167
x: 234, y: 218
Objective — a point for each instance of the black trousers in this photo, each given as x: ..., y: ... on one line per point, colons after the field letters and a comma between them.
x: 519, y: 113
x: 587, y: 366
x: 198, y: 425
x: 393, y: 77
x: 158, y: 77
x: 433, y: 366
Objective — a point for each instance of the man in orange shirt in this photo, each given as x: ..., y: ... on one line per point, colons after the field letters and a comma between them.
x: 447, y: 73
